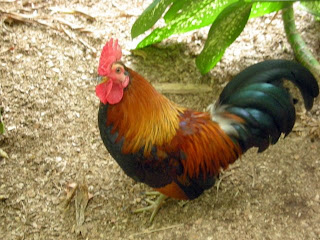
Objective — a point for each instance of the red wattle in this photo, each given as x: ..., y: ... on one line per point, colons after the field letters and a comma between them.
x: 103, y: 90
x: 115, y: 94
x: 109, y: 92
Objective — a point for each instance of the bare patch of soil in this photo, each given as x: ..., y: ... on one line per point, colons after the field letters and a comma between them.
x: 48, y: 73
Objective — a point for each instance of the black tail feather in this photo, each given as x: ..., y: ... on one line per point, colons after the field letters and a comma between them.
x: 274, y: 71
x: 258, y: 97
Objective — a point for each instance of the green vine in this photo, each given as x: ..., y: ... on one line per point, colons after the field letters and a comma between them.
x: 300, y: 49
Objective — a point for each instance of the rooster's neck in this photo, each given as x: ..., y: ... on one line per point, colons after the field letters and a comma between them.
x: 144, y: 117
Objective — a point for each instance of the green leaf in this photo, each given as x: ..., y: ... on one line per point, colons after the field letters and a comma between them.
x: 149, y: 17
x: 223, y: 32
x: 174, y: 9
x: 312, y: 7
x: 197, y: 14
x: 261, y: 8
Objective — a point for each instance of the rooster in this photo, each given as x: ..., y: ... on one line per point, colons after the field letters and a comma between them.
x: 179, y: 152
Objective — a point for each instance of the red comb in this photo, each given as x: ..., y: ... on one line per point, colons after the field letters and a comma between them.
x: 111, y: 53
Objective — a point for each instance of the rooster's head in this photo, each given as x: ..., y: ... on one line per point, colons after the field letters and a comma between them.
x: 114, y: 75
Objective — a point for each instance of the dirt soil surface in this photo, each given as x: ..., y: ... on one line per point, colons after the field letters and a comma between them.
x: 48, y: 71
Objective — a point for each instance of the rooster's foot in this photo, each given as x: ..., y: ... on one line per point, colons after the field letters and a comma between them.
x: 154, y: 205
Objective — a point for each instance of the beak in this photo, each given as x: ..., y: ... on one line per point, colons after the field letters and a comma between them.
x: 101, y: 79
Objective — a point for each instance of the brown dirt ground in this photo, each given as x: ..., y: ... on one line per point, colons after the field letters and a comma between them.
x: 52, y: 139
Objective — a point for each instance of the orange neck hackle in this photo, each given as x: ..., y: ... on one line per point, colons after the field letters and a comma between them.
x: 144, y: 117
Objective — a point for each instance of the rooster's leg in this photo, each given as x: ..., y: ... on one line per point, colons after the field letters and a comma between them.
x: 154, y: 205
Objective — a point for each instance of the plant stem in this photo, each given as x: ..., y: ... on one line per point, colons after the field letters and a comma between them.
x: 299, y: 47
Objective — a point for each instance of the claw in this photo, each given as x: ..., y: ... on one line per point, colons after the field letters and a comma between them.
x: 154, y: 205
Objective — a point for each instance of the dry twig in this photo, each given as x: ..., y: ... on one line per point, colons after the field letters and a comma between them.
x: 71, y: 11
x: 52, y: 22
x: 148, y: 231
x: 72, y: 36
x: 182, y: 88
x: 220, y: 180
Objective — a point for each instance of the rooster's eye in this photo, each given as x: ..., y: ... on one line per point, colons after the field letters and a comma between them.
x: 118, y: 70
